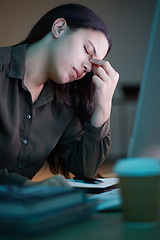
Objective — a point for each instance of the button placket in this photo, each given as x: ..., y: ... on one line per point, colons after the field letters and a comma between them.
x: 25, y: 141
x: 26, y: 116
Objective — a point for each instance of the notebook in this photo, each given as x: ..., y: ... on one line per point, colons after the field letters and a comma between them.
x: 106, y: 184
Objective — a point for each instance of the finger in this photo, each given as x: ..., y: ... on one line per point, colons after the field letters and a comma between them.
x: 100, y: 72
x: 97, y: 62
x: 104, y: 64
x: 97, y: 82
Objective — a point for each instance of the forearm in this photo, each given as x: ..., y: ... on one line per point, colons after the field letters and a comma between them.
x: 100, y: 116
x: 84, y: 156
x: 94, y: 152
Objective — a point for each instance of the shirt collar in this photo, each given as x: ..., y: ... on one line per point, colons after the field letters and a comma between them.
x: 17, y: 62
x: 47, y: 94
x: 17, y: 70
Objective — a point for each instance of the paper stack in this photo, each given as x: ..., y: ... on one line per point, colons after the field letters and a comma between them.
x: 33, y: 210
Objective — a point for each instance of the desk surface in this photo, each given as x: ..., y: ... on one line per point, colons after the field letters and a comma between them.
x: 102, y: 226
x: 105, y: 226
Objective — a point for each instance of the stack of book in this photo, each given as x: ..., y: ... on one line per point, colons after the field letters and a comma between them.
x: 38, y: 209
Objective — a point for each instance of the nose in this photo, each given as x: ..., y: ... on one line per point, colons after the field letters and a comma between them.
x: 87, y: 65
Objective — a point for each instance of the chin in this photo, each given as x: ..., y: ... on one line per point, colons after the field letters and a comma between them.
x: 61, y: 80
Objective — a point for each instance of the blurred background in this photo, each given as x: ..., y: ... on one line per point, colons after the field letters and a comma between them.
x: 129, y: 23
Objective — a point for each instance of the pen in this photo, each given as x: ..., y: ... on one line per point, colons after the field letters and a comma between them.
x: 87, y: 180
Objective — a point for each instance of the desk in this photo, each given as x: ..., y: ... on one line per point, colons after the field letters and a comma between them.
x: 102, y: 226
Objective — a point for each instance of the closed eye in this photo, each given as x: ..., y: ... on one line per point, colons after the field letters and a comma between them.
x: 86, y: 50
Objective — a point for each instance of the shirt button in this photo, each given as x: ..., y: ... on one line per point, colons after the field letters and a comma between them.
x: 25, y: 141
x: 29, y: 116
x: 19, y: 165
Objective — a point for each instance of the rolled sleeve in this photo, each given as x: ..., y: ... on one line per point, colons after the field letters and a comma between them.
x: 84, y: 152
x: 97, y: 133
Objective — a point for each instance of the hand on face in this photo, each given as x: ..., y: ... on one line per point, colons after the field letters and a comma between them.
x: 105, y: 79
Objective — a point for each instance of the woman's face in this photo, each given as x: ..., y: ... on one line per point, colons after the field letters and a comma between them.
x: 71, y: 52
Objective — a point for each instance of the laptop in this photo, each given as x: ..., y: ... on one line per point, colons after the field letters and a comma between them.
x: 145, y: 137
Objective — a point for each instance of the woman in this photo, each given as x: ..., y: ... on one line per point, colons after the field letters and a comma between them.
x: 56, y: 94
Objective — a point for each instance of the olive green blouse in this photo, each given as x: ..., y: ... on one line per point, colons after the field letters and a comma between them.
x: 30, y: 131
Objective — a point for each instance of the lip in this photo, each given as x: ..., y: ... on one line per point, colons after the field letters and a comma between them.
x: 78, y: 74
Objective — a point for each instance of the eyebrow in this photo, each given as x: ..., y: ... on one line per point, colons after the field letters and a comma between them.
x: 94, y: 49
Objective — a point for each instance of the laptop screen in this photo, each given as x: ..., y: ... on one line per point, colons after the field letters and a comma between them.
x: 145, y: 138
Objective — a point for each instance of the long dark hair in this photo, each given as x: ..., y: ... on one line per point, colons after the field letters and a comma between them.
x: 76, y: 16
